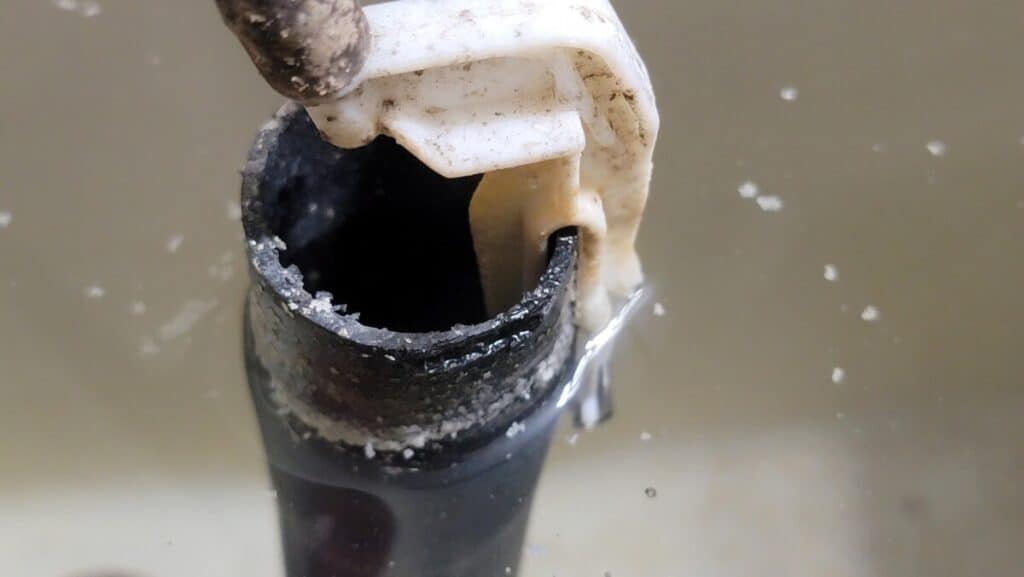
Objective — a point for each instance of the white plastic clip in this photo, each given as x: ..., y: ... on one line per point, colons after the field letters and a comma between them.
x: 548, y: 98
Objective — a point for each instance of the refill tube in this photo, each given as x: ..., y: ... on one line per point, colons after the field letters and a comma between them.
x: 410, y: 454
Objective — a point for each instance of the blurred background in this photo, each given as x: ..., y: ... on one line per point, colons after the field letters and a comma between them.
x: 833, y: 383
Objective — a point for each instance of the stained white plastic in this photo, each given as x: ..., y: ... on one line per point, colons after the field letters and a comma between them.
x: 548, y: 97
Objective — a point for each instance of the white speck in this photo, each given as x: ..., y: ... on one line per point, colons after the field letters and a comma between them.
x: 95, y: 292
x: 369, y: 451
x: 838, y: 375
x: 321, y: 303
x: 5, y: 219
x: 749, y: 189
x: 137, y: 308
x: 937, y: 148
x: 871, y: 314
x: 408, y: 454
x: 272, y: 124
x: 789, y: 93
x: 878, y: 147
x: 770, y: 203
x: 89, y: 8
x: 222, y: 272
x: 645, y: 436
x: 174, y: 242
x: 191, y: 312
x: 515, y: 429
x: 659, y: 310
x: 148, y: 347
x: 831, y: 273
x: 840, y: 416
x: 85, y: 8
x: 508, y: 570
x: 234, y: 210
x: 573, y: 439
x: 279, y: 244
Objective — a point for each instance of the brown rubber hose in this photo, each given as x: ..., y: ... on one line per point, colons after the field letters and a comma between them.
x: 308, y: 50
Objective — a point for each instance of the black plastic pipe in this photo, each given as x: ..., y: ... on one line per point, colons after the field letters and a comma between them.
x: 404, y: 430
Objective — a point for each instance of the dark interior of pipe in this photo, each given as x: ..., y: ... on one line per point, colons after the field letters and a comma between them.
x: 379, y: 230
x: 392, y: 242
